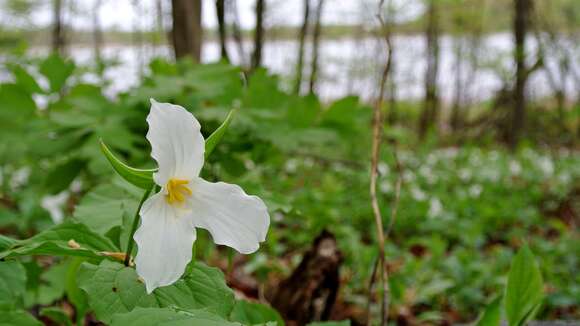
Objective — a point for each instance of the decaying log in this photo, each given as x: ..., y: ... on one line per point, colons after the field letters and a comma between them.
x: 310, y: 292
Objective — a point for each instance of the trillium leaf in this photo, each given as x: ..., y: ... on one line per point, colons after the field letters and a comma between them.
x: 66, y: 239
x: 250, y: 313
x: 113, y: 288
x: 169, y: 316
x: 491, y: 316
x: 12, y: 281
x: 524, y: 291
x: 214, y: 139
x: 142, y: 178
x: 18, y: 318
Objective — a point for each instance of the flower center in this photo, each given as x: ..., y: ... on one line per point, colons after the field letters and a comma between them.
x: 177, y: 190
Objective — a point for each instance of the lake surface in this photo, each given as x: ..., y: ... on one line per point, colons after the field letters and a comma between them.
x: 350, y: 66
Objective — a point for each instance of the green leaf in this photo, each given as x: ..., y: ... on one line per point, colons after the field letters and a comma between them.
x: 169, y: 317
x: 12, y: 281
x: 57, y: 315
x: 24, y: 79
x: 249, y: 313
x: 142, y: 178
x: 524, y: 291
x: 59, y: 178
x: 17, y: 318
x: 6, y: 242
x: 56, y: 242
x: 73, y: 293
x: 104, y: 207
x: 57, y: 70
x: 216, y: 136
x: 114, y: 288
x: 491, y: 316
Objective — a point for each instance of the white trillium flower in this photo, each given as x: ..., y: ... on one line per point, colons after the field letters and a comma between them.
x: 186, y: 201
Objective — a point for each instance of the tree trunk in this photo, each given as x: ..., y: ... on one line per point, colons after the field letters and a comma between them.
x: 236, y: 32
x: 315, y: 48
x: 258, y: 35
x: 187, y: 29
x: 58, y: 39
x: 220, y: 11
x: 97, y: 32
x: 430, y: 112
x: 521, y: 22
x: 458, y: 96
x: 302, y: 41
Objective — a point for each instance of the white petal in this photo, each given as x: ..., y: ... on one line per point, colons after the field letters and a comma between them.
x: 231, y: 216
x: 164, y: 239
x: 176, y: 142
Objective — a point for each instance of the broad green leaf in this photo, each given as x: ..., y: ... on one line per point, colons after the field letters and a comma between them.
x: 16, y: 105
x: 169, y: 317
x: 249, y: 313
x: 61, y: 176
x: 492, y: 314
x: 216, y: 136
x: 524, y: 291
x: 12, y: 281
x: 6, y: 242
x: 73, y: 293
x: 142, y: 178
x: 104, y: 207
x: 57, y: 70
x: 56, y: 241
x: 25, y: 80
x: 17, y: 318
x: 114, y: 288
x: 57, y: 315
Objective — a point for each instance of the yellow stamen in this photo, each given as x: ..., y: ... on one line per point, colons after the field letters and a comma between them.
x: 177, y: 189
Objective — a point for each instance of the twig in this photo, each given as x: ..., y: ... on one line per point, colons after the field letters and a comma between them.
x: 376, y: 142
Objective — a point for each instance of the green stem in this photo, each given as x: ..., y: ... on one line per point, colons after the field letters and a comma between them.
x: 135, y: 225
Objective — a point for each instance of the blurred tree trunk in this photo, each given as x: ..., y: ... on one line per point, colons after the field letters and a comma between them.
x: 187, y: 29
x: 430, y: 112
x: 97, y: 32
x: 236, y: 32
x: 258, y: 35
x: 58, y: 38
x: 159, y: 21
x: 458, y: 96
x: 221, y: 14
x: 302, y: 41
x: 392, y: 116
x: 522, y: 10
x: 315, y: 47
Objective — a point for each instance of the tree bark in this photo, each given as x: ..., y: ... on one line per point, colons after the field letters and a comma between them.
x: 302, y: 41
x: 522, y: 9
x: 220, y: 11
x: 430, y: 112
x: 458, y: 96
x: 236, y: 32
x: 187, y: 29
x: 258, y: 35
x: 315, y: 48
x: 58, y: 38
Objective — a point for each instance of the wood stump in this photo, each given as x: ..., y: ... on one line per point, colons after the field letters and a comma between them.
x: 311, y: 291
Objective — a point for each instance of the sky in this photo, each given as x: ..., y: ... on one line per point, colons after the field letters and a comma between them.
x: 122, y: 14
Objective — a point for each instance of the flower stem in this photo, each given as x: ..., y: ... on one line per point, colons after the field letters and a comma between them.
x: 134, y: 226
